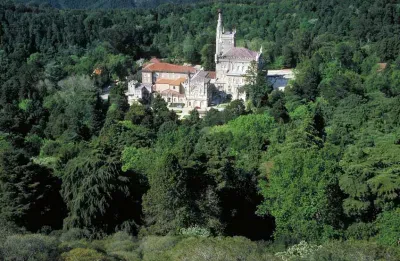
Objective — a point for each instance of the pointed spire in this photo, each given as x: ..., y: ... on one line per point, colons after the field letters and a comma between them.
x: 219, y: 20
x: 218, y: 36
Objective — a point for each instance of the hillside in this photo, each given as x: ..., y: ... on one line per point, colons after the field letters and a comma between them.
x: 104, y: 4
x: 308, y: 173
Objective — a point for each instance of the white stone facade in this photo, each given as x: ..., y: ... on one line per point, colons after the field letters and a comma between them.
x: 197, y: 90
x: 231, y: 62
x: 138, y: 91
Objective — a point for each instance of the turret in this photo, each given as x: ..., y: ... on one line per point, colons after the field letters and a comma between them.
x: 218, y: 35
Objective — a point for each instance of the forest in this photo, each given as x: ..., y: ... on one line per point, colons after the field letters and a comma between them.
x: 311, y: 173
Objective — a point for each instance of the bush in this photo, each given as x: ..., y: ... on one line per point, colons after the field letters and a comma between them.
x: 219, y: 249
x: 120, y: 241
x: 154, y: 247
x: 32, y: 247
x: 360, y: 231
x: 195, y: 231
x: 74, y: 238
x: 84, y: 254
x: 354, y: 250
x: 301, y: 250
x: 74, y: 234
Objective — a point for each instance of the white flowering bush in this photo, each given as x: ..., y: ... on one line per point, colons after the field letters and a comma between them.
x: 301, y: 250
x: 195, y: 231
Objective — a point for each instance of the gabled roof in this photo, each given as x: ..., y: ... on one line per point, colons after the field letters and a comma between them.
x: 173, y: 82
x: 200, y: 77
x: 167, y: 67
x: 240, y: 53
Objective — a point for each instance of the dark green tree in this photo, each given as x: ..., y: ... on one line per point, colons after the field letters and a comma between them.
x: 29, y: 193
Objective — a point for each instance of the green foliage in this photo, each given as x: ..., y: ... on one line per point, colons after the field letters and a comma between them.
x: 195, y: 231
x: 92, y: 184
x: 165, y: 203
x: 353, y: 250
x: 307, y: 80
x: 75, y: 110
x: 257, y: 88
x: 33, y: 247
x: 84, y: 255
x: 360, y: 231
x: 388, y: 228
x: 218, y: 249
x: 320, y: 160
x: 29, y: 193
x: 207, y: 57
x: 299, y: 251
x: 370, y: 175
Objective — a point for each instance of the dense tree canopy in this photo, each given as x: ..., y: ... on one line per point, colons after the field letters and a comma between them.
x: 318, y: 162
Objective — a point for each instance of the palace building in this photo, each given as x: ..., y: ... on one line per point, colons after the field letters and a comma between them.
x: 231, y: 62
x: 192, y: 87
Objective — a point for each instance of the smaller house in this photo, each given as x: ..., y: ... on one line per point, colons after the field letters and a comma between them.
x: 280, y: 78
x: 138, y: 91
x: 171, y: 90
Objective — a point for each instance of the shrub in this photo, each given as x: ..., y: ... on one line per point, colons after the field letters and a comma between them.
x: 74, y: 238
x: 195, y: 231
x: 354, y: 250
x: 219, y: 249
x: 84, y: 254
x: 154, y: 247
x: 301, y: 250
x: 120, y: 241
x: 74, y: 234
x: 32, y: 247
x: 360, y: 231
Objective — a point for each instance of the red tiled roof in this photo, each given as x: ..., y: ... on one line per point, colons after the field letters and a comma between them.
x: 167, y: 67
x: 97, y: 71
x: 174, y: 82
x: 212, y: 75
x: 382, y: 66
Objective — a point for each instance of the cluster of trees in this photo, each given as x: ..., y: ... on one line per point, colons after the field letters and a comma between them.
x: 318, y: 162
